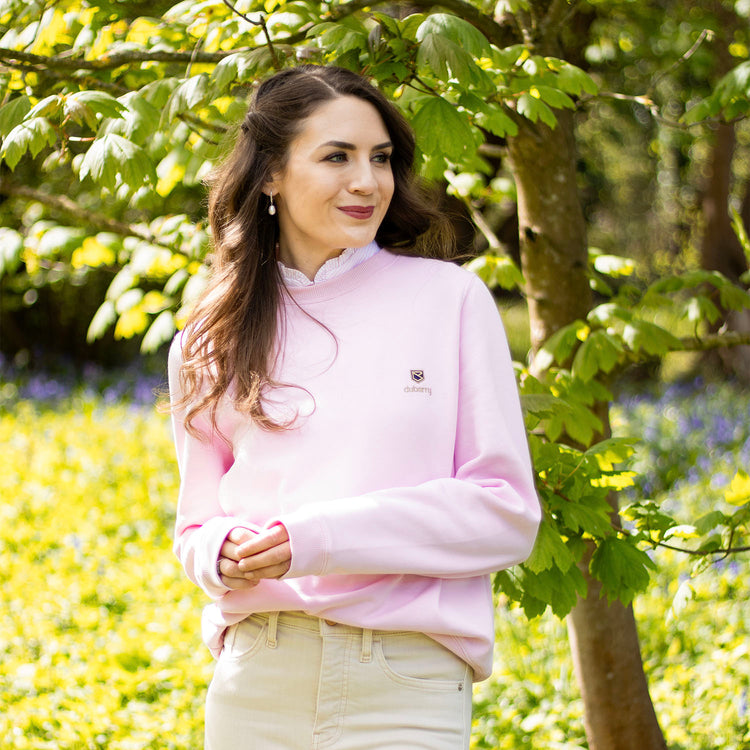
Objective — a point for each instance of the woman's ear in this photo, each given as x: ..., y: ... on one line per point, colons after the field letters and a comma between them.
x: 272, y: 186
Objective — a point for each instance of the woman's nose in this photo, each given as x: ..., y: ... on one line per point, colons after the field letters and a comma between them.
x: 363, y: 178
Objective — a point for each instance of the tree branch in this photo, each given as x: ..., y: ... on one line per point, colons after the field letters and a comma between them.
x: 264, y: 27
x: 725, y: 551
x: 61, y: 204
x: 715, y: 341
x: 705, y: 34
x: 114, y: 60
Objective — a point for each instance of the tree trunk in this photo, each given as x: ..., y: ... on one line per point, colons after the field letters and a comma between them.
x: 551, y: 228
x: 720, y: 249
x: 618, y: 711
x: 603, y: 638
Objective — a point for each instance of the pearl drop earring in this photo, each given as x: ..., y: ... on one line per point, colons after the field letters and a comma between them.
x: 271, y: 207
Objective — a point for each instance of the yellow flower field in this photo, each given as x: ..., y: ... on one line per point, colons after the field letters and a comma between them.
x: 99, y: 628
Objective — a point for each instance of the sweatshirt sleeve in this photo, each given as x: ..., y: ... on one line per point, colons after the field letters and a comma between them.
x: 201, y: 525
x: 482, y: 519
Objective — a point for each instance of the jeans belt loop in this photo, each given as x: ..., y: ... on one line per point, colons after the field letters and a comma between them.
x: 273, y: 624
x: 366, y: 653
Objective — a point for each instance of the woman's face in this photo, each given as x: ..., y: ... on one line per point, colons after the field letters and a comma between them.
x: 336, y: 185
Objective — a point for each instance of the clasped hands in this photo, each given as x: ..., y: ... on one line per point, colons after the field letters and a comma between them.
x: 247, y: 556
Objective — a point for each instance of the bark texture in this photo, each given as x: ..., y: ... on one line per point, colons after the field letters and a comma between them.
x: 720, y: 249
x: 551, y: 227
x: 619, y: 714
x: 603, y: 639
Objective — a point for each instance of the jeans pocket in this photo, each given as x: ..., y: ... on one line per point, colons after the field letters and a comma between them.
x: 415, y: 660
x: 245, y: 638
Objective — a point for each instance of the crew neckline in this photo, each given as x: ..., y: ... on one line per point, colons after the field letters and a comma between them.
x: 347, y: 259
x: 343, y: 283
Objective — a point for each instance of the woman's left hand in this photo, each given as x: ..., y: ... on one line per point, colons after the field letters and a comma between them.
x: 266, y: 555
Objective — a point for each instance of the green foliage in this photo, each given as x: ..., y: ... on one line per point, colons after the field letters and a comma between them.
x: 579, y: 474
x: 148, y: 129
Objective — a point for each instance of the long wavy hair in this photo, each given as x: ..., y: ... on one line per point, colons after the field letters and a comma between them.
x: 229, y: 339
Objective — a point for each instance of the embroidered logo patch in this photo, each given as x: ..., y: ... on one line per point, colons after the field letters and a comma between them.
x: 417, y: 375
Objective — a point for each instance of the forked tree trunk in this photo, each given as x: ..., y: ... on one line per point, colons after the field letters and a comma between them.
x: 619, y: 714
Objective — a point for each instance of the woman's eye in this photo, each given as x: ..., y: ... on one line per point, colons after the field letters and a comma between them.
x: 382, y: 158
x: 338, y: 157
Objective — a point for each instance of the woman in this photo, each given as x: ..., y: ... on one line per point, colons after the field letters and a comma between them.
x: 352, y: 454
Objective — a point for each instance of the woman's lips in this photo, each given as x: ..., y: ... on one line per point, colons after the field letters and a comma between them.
x: 358, y: 212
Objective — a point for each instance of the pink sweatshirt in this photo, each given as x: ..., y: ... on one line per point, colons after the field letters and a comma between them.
x: 406, y: 478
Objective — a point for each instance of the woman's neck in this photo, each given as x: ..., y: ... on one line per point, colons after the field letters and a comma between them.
x: 307, y: 263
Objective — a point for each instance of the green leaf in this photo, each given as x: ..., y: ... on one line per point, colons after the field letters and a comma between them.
x: 554, y: 97
x: 13, y: 112
x: 734, y: 85
x: 497, y: 270
x: 11, y: 247
x: 103, y: 319
x: 549, y: 550
x: 138, y: 122
x: 389, y: 23
x: 614, y: 265
x: 31, y: 135
x: 490, y: 116
x: 710, y: 521
x: 559, y: 589
x: 559, y: 346
x: 113, y: 159
x: 733, y: 297
x: 47, y: 107
x: 90, y: 106
x: 504, y: 582
x: 649, y: 517
x: 448, y: 60
x: 622, y: 568
x: 59, y: 241
x: 535, y: 109
x: 701, y: 308
x: 159, y: 332
x: 581, y: 423
x: 441, y: 129
x: 456, y: 30
x: 703, y: 110
x: 575, y: 81
x: 508, y: 57
x: 189, y: 95
x: 612, y: 451
x: 599, y: 352
x: 158, y: 92
x: 580, y: 517
x: 642, y: 335
x: 608, y: 314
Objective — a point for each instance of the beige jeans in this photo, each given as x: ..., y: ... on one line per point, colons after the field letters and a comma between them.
x: 287, y: 681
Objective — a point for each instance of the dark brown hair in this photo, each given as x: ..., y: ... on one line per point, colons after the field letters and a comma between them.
x: 230, y: 335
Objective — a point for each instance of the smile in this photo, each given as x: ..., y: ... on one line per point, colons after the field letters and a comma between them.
x: 358, y: 212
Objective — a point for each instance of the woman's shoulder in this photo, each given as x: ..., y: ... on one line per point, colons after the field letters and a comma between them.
x: 448, y: 274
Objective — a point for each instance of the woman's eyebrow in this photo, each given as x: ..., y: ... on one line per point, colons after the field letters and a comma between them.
x: 351, y: 147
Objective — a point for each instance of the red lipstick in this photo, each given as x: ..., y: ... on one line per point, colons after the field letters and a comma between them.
x: 358, y: 212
